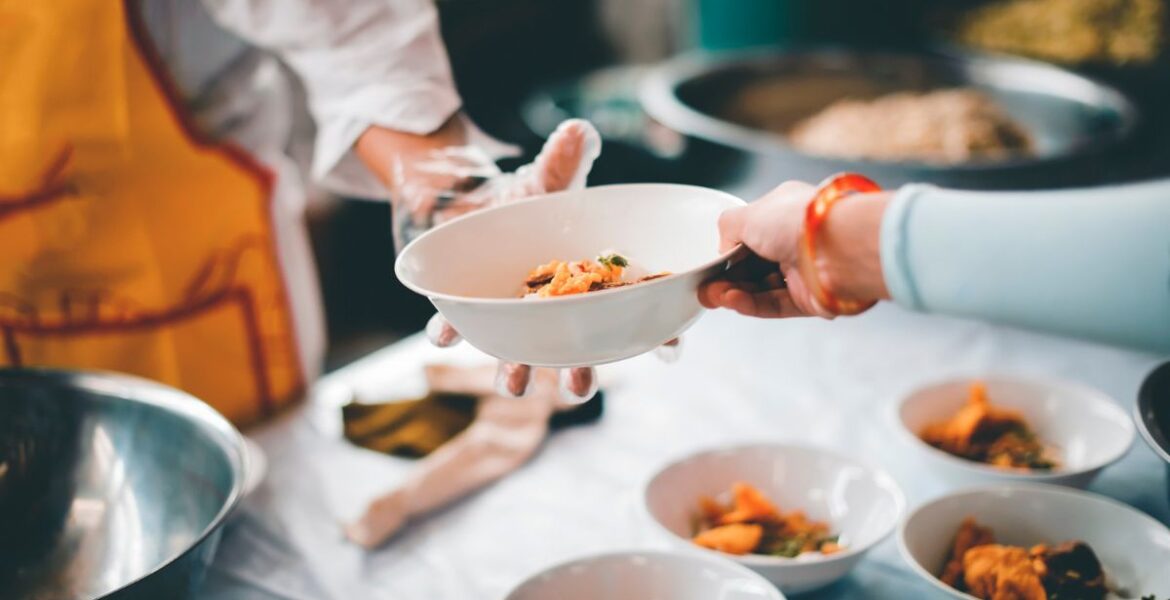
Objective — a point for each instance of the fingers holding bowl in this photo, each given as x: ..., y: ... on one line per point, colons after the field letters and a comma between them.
x: 753, y: 287
x: 578, y: 384
x: 512, y: 379
x: 441, y: 333
x: 670, y: 351
x: 567, y: 156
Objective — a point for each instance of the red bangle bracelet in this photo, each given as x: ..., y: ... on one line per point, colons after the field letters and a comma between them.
x: 832, y: 190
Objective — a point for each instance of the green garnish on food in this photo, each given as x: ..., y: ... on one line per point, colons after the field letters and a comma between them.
x: 789, y: 547
x: 613, y: 260
x: 795, y: 545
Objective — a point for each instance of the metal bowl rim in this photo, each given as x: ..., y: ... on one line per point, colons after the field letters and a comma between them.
x: 169, y: 399
x: 659, y: 100
x: 1143, y: 406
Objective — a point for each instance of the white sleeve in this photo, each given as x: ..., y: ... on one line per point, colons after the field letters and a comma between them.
x: 363, y: 63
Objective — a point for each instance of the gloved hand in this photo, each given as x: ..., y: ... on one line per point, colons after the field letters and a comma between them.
x: 438, y: 184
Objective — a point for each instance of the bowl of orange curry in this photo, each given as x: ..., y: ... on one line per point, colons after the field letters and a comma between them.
x: 1036, y: 542
x: 1008, y: 428
x: 801, y: 516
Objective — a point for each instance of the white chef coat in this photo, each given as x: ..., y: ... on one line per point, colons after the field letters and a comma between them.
x: 360, y: 62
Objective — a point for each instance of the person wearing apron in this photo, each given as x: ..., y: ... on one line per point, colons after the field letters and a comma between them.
x: 151, y: 210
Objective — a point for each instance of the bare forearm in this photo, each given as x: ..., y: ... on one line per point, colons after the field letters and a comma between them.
x: 849, y: 256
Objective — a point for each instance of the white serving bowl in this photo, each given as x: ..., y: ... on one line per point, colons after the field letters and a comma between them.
x: 859, y: 502
x: 1133, y: 547
x: 473, y: 268
x: 1088, y: 430
x: 646, y: 576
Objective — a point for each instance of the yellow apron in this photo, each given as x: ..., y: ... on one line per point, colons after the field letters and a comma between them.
x: 127, y: 241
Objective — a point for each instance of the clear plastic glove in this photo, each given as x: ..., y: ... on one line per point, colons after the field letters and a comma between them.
x: 440, y: 184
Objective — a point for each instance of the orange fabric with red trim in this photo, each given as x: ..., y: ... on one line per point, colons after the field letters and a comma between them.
x: 130, y: 243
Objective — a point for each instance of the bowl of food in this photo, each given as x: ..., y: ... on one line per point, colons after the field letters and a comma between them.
x: 1014, y: 429
x: 111, y: 486
x: 574, y: 278
x: 802, y: 517
x: 1038, y: 542
x: 642, y: 575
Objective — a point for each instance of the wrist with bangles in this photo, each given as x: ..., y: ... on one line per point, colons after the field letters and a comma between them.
x: 814, y: 264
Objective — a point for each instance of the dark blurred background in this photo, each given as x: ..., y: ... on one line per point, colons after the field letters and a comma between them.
x: 509, y: 56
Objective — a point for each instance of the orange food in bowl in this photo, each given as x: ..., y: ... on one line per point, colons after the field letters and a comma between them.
x: 561, y: 278
x: 983, y: 432
x: 736, y: 538
x: 752, y: 524
x: 984, y: 568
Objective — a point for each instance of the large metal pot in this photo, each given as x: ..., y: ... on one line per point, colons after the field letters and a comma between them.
x: 746, y: 101
x: 1153, y: 414
x: 110, y: 486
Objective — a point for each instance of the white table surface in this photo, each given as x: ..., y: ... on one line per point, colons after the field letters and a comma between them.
x: 808, y: 381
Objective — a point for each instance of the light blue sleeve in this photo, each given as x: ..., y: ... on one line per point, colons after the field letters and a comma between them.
x: 1091, y: 263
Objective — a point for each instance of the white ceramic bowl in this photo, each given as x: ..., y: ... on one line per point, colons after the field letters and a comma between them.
x: 473, y: 267
x: 646, y: 576
x: 1133, y: 547
x: 859, y: 502
x: 1088, y: 430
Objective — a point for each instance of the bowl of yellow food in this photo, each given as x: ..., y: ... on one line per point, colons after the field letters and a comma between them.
x: 573, y: 278
x: 1007, y: 428
x: 800, y: 516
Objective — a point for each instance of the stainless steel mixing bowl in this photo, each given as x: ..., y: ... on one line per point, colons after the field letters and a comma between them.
x: 746, y: 101
x: 110, y: 486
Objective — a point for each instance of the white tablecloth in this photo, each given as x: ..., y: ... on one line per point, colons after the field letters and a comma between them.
x: 807, y: 381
